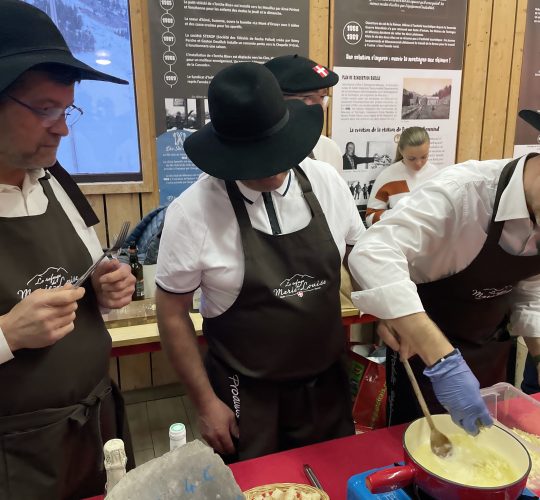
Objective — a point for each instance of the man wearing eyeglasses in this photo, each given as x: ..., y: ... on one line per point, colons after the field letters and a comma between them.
x: 304, y: 79
x: 57, y: 405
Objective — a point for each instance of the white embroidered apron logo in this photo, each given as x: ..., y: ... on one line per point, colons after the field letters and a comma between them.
x: 52, y: 277
x: 489, y: 293
x: 235, y: 382
x: 298, y: 285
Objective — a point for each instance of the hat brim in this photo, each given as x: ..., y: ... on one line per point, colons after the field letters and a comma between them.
x: 248, y: 160
x: 11, y: 67
x: 531, y: 117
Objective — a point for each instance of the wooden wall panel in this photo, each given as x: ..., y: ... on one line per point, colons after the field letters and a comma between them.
x: 135, y: 371
x: 498, y: 81
x: 491, y: 78
x: 474, y: 77
x: 319, y: 12
x: 149, y: 201
x: 122, y: 207
x: 162, y: 371
x: 319, y: 39
x: 97, y: 201
x: 515, y: 78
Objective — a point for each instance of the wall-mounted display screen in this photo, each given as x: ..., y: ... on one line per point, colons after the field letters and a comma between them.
x: 103, y: 146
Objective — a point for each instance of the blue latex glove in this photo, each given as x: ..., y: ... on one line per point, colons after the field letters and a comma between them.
x: 458, y: 390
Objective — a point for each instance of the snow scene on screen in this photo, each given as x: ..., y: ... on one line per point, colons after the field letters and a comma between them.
x: 105, y: 139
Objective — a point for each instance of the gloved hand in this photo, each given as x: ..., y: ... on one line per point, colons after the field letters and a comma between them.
x: 458, y: 390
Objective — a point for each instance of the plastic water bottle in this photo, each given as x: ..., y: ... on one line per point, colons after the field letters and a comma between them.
x: 115, y: 460
x: 177, y: 435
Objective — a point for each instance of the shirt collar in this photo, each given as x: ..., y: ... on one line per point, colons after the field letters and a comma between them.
x: 512, y: 204
x: 30, y: 181
x: 251, y: 196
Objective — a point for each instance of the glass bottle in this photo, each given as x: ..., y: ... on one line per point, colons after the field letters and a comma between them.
x: 137, y: 271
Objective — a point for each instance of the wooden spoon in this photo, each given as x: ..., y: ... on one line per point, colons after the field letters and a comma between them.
x: 440, y: 444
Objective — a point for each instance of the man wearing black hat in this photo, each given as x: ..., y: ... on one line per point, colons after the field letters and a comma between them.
x: 263, y: 234
x: 304, y: 79
x: 57, y: 406
x: 450, y: 270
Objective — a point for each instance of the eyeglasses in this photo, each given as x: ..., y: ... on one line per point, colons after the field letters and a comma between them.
x: 49, y: 116
x: 310, y: 98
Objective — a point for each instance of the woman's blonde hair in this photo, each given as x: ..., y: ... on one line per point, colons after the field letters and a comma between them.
x: 412, y: 136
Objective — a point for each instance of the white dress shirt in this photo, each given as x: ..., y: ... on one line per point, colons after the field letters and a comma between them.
x: 438, y: 232
x: 201, y: 244
x: 31, y: 200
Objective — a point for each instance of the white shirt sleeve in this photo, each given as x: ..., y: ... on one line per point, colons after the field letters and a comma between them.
x: 418, y: 228
x: 525, y: 317
x: 5, y: 351
x: 178, y: 265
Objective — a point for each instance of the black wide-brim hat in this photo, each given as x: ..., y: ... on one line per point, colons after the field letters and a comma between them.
x: 254, y: 133
x: 295, y: 74
x: 28, y: 37
x: 531, y: 117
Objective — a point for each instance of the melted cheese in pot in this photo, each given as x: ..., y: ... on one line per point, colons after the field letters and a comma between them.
x: 470, y: 464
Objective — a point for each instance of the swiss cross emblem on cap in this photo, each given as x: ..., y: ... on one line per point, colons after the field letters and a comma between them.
x: 321, y: 71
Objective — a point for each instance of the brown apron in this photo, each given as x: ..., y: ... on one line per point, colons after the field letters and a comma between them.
x: 471, y: 308
x: 275, y: 356
x: 57, y: 405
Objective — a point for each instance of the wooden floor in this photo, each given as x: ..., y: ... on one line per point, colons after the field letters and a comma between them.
x: 149, y: 423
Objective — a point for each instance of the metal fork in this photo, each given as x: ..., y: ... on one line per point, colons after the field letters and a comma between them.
x: 116, y: 246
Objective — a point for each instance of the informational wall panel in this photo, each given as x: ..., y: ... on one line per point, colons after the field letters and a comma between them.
x: 400, y: 66
x: 191, y: 40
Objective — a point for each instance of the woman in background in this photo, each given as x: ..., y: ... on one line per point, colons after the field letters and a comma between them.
x: 410, y: 168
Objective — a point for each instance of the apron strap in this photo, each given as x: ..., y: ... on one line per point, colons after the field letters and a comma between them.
x: 240, y: 209
x: 41, y: 418
x: 238, y: 204
x: 76, y: 195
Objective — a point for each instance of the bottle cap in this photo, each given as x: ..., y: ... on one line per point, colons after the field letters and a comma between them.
x: 177, y: 430
x: 177, y: 436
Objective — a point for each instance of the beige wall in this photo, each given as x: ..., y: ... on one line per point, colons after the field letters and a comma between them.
x: 491, y: 74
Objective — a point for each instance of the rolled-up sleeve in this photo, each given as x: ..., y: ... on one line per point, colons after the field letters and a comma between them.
x: 5, y: 351
x: 525, y: 317
x: 389, y: 301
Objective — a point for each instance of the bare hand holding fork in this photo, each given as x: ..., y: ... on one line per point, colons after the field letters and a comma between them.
x: 111, y: 280
x: 116, y: 246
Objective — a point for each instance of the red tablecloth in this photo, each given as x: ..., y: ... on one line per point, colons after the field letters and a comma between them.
x: 334, y: 462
